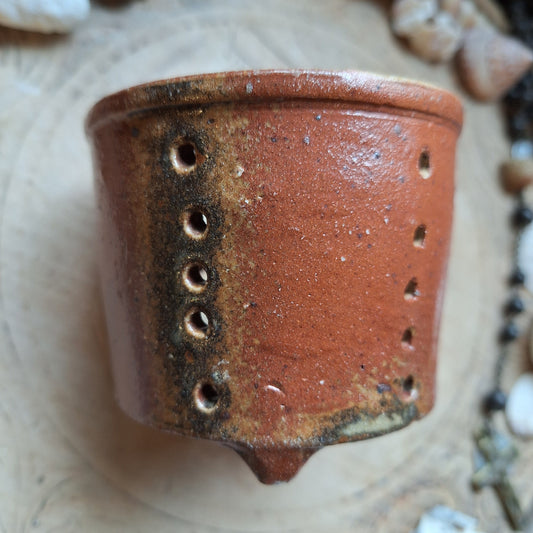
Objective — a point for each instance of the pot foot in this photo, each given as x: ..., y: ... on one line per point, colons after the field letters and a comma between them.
x: 275, y: 465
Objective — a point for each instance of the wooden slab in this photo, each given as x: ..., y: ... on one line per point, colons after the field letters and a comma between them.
x: 69, y: 459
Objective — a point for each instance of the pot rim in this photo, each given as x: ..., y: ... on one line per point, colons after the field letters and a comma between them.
x: 275, y: 85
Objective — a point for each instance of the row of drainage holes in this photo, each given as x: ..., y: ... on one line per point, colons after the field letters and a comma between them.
x: 411, y: 292
x: 419, y: 237
x: 195, y: 274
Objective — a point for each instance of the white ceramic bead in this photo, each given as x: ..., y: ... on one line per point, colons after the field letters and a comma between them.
x: 519, y: 408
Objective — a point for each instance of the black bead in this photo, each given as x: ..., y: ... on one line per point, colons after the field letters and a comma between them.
x: 517, y: 277
x: 509, y: 332
x: 514, y: 306
x: 495, y: 401
x: 518, y: 125
x: 522, y: 217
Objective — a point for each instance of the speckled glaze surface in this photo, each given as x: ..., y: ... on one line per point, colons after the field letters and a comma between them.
x: 274, y: 247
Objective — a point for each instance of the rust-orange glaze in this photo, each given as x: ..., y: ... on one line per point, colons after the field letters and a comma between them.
x: 274, y: 253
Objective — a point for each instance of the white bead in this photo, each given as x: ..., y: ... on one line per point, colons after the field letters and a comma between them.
x: 522, y: 149
x: 525, y: 256
x: 519, y: 408
x: 442, y: 519
x: 45, y: 16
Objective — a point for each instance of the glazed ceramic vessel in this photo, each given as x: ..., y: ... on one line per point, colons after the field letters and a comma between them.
x: 274, y: 247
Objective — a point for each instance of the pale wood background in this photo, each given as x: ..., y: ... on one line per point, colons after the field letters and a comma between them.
x: 69, y: 459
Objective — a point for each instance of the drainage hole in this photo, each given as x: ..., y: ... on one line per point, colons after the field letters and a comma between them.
x: 195, y: 277
x: 206, y: 396
x: 424, y: 166
x: 411, y: 290
x: 408, y: 384
x: 407, y: 338
x: 195, y: 223
x: 197, y: 323
x: 419, y: 236
x: 184, y: 157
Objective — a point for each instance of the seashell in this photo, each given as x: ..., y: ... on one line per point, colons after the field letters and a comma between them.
x: 519, y: 408
x: 490, y: 63
x: 516, y: 174
x: 437, y: 39
x: 45, y: 16
x: 408, y: 15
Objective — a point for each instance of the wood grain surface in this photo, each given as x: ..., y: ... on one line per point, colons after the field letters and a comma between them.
x: 69, y: 459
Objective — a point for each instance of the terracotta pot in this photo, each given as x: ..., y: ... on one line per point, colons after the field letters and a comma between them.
x: 274, y: 254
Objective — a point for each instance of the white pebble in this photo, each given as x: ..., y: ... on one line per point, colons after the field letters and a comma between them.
x: 438, y: 39
x: 442, y: 519
x: 519, y: 408
x: 408, y: 15
x: 45, y: 16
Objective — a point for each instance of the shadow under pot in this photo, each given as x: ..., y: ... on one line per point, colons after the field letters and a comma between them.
x: 274, y: 248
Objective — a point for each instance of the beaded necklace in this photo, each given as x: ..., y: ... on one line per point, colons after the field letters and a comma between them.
x: 497, y: 451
